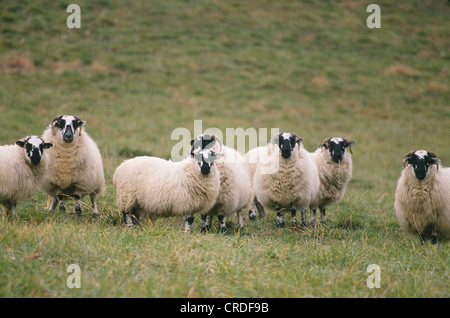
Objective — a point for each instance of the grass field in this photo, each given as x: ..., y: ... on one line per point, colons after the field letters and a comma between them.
x: 137, y: 71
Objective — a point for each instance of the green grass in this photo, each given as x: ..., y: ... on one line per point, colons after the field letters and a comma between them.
x: 136, y: 72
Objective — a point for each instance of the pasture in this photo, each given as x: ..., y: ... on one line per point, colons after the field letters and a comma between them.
x: 137, y: 71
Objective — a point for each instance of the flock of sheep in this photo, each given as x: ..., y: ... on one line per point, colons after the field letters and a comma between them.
x: 215, y: 180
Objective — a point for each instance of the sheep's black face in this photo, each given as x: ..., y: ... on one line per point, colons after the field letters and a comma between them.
x: 68, y: 125
x: 202, y: 152
x: 336, y: 146
x: 205, y: 159
x: 421, y: 160
x: 34, y: 148
x: 286, y: 142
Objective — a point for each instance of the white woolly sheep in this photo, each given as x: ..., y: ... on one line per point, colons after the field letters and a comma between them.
x: 21, y: 168
x: 153, y: 187
x: 235, y: 189
x: 251, y: 158
x: 295, y: 183
x: 422, y: 197
x: 334, y: 165
x: 75, y: 167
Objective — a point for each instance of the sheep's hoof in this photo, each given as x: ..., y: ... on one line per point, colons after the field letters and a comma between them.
x: 205, y: 229
x: 280, y: 224
x: 224, y: 230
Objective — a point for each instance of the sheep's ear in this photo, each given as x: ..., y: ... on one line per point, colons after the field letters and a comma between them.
x: 53, y: 124
x: 298, y: 140
x: 48, y: 145
x: 80, y: 124
x: 435, y: 159
x: 325, y: 143
x: 349, y: 144
x: 407, y: 157
x: 20, y: 143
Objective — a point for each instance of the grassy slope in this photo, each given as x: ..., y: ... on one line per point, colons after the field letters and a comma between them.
x: 137, y: 72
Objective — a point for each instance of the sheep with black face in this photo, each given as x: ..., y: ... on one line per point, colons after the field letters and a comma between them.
x: 75, y: 167
x: 292, y: 184
x: 21, y: 169
x: 334, y: 164
x: 422, y: 197
x: 153, y: 187
x: 235, y: 189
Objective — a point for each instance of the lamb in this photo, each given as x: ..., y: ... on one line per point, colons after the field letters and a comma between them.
x: 21, y: 168
x: 293, y: 185
x: 235, y: 189
x: 251, y: 158
x: 153, y: 187
x: 75, y: 167
x: 422, y: 197
x: 334, y: 165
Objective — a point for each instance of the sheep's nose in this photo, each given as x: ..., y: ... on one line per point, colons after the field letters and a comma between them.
x: 286, y: 154
x: 68, y: 136
x: 420, y: 174
x: 205, y: 169
x: 35, y: 160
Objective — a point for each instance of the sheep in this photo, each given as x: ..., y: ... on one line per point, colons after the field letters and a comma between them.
x: 293, y: 185
x: 154, y: 187
x: 334, y: 165
x: 422, y: 197
x: 235, y: 188
x: 21, y: 168
x: 251, y: 158
x: 75, y: 167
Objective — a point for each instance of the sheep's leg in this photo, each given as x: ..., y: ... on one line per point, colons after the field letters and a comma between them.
x: 10, y: 210
x: 93, y: 198
x: 127, y: 219
x: 188, y: 220
x: 261, y: 210
x: 428, y: 233
x: 294, y: 217
x: 205, y: 225
x: 77, y: 198
x: 323, y: 218
x: 62, y: 208
x: 252, y: 212
x: 280, y: 218
x: 312, y: 221
x: 303, y: 217
x: 223, y: 227
x: 52, y: 202
x: 433, y: 238
x: 135, y: 217
x: 240, y: 219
